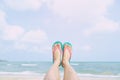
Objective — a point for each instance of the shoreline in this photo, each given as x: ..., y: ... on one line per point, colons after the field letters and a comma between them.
x: 41, y: 77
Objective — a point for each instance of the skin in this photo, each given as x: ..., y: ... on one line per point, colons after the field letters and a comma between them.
x: 69, y: 72
x: 53, y: 73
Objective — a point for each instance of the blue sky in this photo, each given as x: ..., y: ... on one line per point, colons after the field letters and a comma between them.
x: 28, y: 29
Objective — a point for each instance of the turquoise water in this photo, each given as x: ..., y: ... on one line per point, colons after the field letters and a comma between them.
x: 95, y: 68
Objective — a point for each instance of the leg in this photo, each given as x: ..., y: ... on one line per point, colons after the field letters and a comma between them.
x: 69, y: 72
x: 53, y: 73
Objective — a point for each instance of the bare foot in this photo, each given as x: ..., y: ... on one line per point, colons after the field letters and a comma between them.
x: 57, y: 51
x: 66, y: 55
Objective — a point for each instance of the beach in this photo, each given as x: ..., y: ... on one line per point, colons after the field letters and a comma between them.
x: 39, y: 37
x: 37, y: 77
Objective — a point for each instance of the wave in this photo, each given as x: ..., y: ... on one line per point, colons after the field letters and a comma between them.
x: 32, y: 73
x: 76, y: 64
x: 101, y: 76
x: 28, y: 64
x: 9, y: 64
x: 19, y: 73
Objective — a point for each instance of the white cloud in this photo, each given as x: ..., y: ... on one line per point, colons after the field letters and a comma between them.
x: 12, y: 32
x: 91, y: 12
x: 2, y: 16
x: 17, y: 33
x: 103, y: 25
x: 80, y: 9
x: 9, y: 32
x: 33, y: 40
x: 38, y: 48
x: 24, y: 4
x: 34, y: 36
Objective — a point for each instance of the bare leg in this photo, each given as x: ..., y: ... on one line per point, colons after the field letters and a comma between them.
x: 69, y: 72
x: 53, y: 73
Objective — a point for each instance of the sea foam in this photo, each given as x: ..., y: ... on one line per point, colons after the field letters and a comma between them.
x: 28, y: 64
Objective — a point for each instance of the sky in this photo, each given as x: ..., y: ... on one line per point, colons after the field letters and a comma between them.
x: 28, y: 28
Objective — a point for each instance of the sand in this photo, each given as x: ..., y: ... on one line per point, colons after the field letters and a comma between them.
x: 40, y: 77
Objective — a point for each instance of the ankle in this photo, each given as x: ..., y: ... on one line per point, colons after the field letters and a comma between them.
x: 57, y: 62
x: 65, y: 63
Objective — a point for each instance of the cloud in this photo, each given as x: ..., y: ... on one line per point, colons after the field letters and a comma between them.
x: 90, y: 12
x: 24, y: 4
x: 12, y: 32
x: 103, y: 25
x: 7, y: 31
x: 34, y: 36
x: 34, y: 41
x: 80, y: 9
x: 38, y: 48
x: 2, y: 16
x: 31, y: 40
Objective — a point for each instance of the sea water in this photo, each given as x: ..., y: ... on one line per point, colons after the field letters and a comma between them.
x: 104, y: 69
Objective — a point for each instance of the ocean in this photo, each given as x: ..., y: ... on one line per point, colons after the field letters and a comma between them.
x: 93, y: 69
